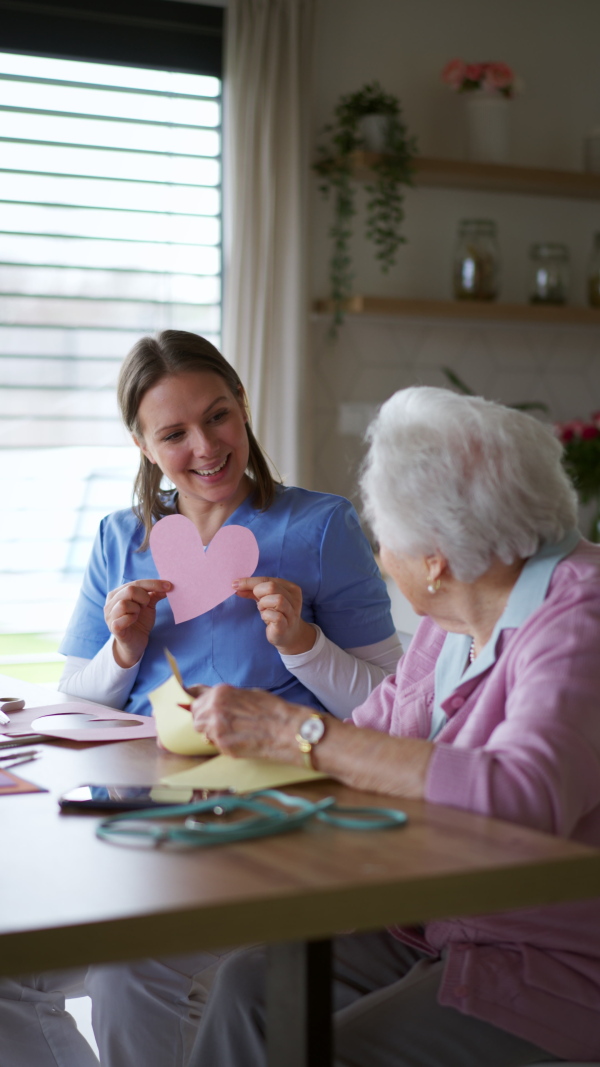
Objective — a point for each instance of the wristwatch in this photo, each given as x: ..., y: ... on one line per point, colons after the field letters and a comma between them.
x: 310, y: 733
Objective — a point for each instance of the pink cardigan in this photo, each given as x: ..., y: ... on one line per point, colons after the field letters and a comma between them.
x: 522, y: 743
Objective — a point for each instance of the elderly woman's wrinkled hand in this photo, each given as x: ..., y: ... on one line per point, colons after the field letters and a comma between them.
x: 248, y: 722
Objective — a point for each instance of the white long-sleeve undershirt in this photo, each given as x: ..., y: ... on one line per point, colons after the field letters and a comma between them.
x: 343, y: 678
x: 340, y: 679
x: 99, y: 679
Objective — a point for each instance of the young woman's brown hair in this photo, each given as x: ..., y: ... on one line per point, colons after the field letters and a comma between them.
x: 151, y: 359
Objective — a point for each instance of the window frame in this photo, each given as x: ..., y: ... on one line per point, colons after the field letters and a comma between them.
x: 177, y: 36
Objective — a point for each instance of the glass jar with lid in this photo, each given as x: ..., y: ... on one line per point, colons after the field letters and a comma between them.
x: 476, y: 261
x: 549, y: 273
x: 593, y: 284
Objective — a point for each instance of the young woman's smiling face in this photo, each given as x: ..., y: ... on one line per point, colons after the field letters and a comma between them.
x: 194, y: 428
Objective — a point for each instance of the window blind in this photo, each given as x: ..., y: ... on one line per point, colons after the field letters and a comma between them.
x: 110, y: 228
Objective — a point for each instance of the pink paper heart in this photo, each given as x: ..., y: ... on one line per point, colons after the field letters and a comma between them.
x: 201, y: 579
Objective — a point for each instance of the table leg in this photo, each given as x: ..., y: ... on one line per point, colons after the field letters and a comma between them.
x: 299, y: 1004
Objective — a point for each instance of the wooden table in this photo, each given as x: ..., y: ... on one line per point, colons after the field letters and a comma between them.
x: 72, y: 899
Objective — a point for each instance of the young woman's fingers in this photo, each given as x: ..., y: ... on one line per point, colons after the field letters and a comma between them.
x: 269, y: 615
x: 252, y: 585
x: 142, y: 592
x: 123, y: 622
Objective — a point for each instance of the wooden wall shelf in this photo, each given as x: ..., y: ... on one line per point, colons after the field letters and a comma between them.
x: 492, y: 177
x: 464, y: 309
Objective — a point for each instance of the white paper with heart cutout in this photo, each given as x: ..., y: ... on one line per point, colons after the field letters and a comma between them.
x: 68, y: 721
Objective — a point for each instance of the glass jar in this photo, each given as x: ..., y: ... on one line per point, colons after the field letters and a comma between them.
x: 549, y: 273
x: 476, y: 261
x: 594, y: 274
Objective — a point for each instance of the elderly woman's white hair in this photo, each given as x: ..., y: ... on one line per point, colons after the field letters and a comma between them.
x: 465, y: 477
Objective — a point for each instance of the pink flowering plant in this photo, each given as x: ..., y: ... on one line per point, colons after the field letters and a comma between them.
x: 581, y: 443
x: 496, y: 79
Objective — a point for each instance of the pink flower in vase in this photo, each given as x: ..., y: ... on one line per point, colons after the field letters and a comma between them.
x: 577, y: 426
x: 563, y: 431
x: 494, y: 79
x: 454, y: 73
x: 498, y: 78
x: 474, y: 71
x: 589, y: 431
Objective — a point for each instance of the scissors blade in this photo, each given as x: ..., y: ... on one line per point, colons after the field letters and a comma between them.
x: 16, y: 754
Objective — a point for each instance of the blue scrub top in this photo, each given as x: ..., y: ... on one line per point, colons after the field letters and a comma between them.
x: 312, y: 539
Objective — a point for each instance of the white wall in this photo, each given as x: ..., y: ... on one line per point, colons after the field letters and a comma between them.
x: 553, y: 45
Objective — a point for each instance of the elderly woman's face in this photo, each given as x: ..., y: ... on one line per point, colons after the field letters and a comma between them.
x: 410, y: 575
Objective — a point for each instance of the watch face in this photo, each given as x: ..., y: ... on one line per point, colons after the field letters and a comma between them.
x: 312, y: 730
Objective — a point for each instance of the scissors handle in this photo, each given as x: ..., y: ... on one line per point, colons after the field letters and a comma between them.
x: 10, y: 704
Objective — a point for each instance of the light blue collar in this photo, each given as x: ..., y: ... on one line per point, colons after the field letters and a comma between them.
x: 527, y: 594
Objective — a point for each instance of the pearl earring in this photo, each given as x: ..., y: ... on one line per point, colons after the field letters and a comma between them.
x: 433, y: 586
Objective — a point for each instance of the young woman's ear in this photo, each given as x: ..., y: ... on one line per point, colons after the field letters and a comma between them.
x: 243, y: 402
x: 143, y: 449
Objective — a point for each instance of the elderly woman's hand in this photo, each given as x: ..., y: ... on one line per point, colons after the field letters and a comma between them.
x: 249, y: 722
x: 280, y: 604
x: 259, y: 725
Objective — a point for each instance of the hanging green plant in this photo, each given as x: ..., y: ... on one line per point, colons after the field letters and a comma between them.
x: 391, y: 170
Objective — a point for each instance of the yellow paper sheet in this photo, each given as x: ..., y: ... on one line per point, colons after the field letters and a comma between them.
x: 174, y: 725
x: 241, y: 775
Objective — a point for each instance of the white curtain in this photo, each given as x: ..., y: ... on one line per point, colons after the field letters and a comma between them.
x: 268, y: 74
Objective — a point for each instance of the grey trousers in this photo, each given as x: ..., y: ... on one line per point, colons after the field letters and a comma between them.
x: 387, y: 1014
x: 144, y: 1014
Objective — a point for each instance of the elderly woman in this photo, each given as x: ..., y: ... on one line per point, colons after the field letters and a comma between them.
x: 494, y: 710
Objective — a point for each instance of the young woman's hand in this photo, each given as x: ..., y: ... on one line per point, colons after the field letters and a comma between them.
x: 280, y: 604
x: 130, y: 613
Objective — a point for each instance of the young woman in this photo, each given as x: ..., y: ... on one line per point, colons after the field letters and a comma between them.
x: 313, y: 626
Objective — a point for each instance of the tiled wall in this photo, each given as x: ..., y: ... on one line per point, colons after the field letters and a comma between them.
x: 374, y: 356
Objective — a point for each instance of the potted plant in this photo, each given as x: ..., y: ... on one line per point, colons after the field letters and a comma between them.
x: 351, y: 130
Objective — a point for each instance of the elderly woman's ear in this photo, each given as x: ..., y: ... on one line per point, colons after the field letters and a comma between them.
x: 436, y: 567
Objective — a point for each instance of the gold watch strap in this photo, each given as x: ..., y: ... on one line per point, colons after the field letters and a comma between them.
x: 306, y: 750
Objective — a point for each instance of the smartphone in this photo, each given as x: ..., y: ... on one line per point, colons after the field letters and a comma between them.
x: 125, y: 797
